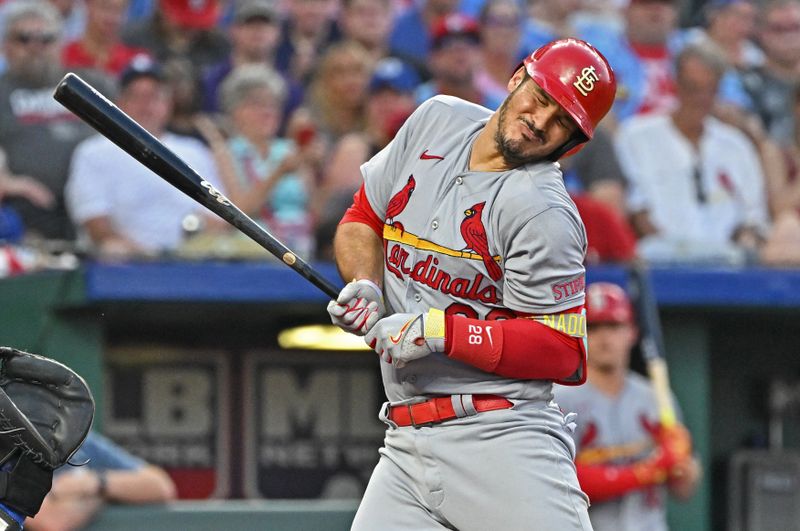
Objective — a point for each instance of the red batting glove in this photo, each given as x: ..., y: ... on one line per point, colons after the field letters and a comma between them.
x: 676, y: 440
x: 655, y: 469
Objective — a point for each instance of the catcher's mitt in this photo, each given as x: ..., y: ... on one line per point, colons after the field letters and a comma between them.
x: 46, y: 411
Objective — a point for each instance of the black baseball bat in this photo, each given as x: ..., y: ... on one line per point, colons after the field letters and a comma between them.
x: 93, y: 108
x: 651, y: 339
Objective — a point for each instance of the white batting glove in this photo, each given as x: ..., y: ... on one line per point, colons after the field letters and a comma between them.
x: 405, y: 337
x: 358, y: 307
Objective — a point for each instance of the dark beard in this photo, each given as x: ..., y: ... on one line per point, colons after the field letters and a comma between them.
x: 37, y: 73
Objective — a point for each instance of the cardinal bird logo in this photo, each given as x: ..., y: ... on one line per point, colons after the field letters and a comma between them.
x: 399, y: 202
x: 474, y: 234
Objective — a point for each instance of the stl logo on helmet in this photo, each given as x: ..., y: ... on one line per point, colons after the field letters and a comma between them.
x: 586, y: 80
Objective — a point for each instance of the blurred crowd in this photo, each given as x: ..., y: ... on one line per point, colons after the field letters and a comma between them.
x: 277, y: 103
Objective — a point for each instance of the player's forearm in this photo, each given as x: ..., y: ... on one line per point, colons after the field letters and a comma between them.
x: 547, y: 348
x: 146, y: 485
x: 359, y: 252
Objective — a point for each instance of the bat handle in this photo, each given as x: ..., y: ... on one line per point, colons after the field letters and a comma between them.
x: 659, y: 376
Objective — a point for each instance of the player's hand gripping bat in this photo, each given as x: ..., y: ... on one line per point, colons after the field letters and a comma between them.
x: 93, y: 108
x: 651, y: 341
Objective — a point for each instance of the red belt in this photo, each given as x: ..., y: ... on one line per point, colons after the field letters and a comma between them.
x: 441, y: 409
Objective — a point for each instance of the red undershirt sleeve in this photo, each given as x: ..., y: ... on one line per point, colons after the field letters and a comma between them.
x: 606, y: 482
x: 361, y: 212
x: 547, y: 347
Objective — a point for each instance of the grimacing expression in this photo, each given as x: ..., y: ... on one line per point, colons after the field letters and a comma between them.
x: 531, y: 125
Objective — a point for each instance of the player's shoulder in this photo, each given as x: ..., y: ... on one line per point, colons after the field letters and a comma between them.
x: 535, y: 188
x: 455, y: 108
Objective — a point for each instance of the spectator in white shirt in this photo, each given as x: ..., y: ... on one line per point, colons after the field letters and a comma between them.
x: 696, y: 184
x: 124, y: 208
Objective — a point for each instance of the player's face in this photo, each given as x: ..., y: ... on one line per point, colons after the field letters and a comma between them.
x: 531, y: 125
x: 610, y: 345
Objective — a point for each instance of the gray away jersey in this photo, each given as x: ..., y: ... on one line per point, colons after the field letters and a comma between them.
x: 618, y: 431
x: 480, y: 244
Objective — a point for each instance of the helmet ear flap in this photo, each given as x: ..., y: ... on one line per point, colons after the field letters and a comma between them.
x: 570, y: 147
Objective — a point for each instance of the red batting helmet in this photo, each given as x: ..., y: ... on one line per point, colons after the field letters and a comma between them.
x: 578, y: 78
x: 607, y: 303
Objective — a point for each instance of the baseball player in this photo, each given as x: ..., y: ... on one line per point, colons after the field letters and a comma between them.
x: 466, y: 256
x: 626, y: 461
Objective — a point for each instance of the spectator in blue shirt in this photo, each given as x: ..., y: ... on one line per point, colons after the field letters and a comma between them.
x: 111, y: 475
x: 411, y: 35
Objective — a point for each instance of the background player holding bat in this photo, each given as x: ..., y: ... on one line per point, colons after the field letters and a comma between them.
x: 628, y: 460
x: 464, y: 223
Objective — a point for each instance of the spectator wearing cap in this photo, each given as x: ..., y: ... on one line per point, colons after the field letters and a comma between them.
x: 122, y: 207
x: 454, y: 61
x: 184, y: 29
x: 37, y: 134
x: 254, y: 34
x: 368, y: 23
x: 308, y: 30
x: 501, y: 32
x: 101, y: 47
x: 411, y: 36
x: 390, y: 100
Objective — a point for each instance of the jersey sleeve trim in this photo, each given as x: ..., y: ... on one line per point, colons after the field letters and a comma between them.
x: 361, y: 212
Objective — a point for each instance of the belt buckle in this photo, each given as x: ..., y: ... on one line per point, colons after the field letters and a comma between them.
x: 416, y: 424
x: 411, y: 417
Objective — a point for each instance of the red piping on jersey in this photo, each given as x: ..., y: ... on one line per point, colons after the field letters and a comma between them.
x: 361, y: 212
x: 517, y: 348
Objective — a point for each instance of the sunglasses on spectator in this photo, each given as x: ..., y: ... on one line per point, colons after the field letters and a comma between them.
x: 25, y: 38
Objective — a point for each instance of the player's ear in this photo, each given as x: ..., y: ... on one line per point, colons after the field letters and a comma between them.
x: 516, y: 79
